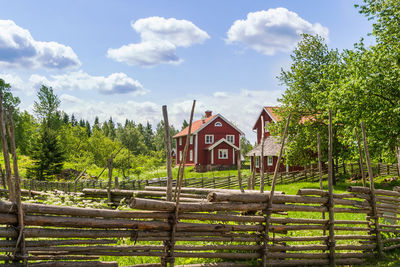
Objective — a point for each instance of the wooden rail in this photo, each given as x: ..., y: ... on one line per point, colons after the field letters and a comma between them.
x: 219, y: 223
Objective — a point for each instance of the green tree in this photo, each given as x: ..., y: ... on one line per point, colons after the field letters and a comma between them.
x: 46, y: 151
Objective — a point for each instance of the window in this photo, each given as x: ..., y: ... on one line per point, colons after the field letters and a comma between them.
x: 222, y: 153
x: 180, y: 155
x: 191, y: 155
x: 180, y: 141
x: 257, y: 162
x: 209, y: 138
x: 218, y: 124
x: 191, y: 140
x: 266, y: 126
x: 270, y: 161
x: 230, y: 138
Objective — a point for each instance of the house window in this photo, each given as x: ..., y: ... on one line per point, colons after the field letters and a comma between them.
x: 218, y: 124
x: 180, y: 155
x: 230, y: 138
x: 266, y: 126
x: 257, y: 162
x: 180, y: 141
x: 209, y: 138
x: 191, y: 140
x: 191, y: 155
x: 222, y: 153
x: 270, y: 161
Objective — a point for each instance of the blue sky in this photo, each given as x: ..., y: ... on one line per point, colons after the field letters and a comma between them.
x: 125, y: 59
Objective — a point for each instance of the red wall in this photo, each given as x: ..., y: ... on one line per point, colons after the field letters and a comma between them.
x: 219, y: 133
x: 203, y: 155
x: 258, y: 125
x: 182, y: 147
x: 229, y: 160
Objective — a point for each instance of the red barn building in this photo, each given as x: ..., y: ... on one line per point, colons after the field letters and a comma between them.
x: 271, y: 144
x: 214, y: 143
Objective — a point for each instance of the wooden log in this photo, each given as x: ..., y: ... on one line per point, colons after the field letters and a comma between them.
x: 30, y: 208
x: 201, y: 191
x: 47, y: 243
x: 372, y: 193
x: 168, y: 154
x: 331, y: 239
x: 261, y: 197
x: 66, y: 264
x: 359, y: 189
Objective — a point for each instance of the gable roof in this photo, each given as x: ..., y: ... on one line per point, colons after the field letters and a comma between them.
x: 198, y: 125
x: 271, y: 111
x: 223, y: 140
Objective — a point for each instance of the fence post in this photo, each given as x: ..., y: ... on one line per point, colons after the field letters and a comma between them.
x: 202, y: 182
x: 372, y: 190
x: 229, y: 182
x: 116, y: 182
x: 330, y: 204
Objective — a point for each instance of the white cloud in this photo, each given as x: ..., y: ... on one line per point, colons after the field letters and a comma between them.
x: 178, y: 32
x: 115, y: 83
x: 145, y: 53
x: 271, y: 31
x: 19, y: 49
x: 159, y: 39
x: 16, y: 83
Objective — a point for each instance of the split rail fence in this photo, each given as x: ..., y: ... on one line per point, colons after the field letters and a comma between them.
x: 225, y: 182
x: 213, y: 223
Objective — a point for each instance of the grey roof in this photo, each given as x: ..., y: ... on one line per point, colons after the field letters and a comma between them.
x: 271, y: 147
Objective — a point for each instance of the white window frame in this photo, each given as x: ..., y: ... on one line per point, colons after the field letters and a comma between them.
x: 233, y: 138
x: 211, y: 141
x: 180, y: 155
x: 191, y: 140
x: 257, y: 162
x: 266, y: 126
x: 270, y: 161
x: 191, y: 155
x: 223, y: 153
x: 180, y: 141
x: 218, y: 124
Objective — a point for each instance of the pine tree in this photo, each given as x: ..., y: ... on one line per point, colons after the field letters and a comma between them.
x: 46, y: 151
x: 88, y: 128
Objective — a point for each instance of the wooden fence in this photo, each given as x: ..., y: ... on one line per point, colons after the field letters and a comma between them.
x: 226, y: 182
x: 218, y: 223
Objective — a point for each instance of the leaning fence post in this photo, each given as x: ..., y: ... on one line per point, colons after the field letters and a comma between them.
x: 168, y: 153
x: 361, y: 158
x: 239, y: 165
x: 175, y: 215
x: 271, y: 195
x: 110, y: 167
x: 262, y: 156
x: 331, y: 240
x: 372, y: 190
x: 320, y: 172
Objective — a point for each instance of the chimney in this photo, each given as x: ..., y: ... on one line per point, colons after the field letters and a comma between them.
x: 208, y: 113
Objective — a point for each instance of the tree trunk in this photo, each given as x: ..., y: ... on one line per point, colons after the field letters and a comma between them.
x: 398, y: 159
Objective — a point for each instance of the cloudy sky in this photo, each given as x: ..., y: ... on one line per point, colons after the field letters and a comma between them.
x: 125, y: 59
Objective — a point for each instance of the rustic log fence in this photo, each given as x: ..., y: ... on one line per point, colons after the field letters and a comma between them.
x: 228, y: 182
x: 220, y: 224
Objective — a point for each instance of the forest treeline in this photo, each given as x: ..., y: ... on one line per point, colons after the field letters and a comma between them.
x: 51, y: 137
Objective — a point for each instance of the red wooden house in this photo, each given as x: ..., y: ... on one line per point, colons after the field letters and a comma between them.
x: 271, y: 144
x: 213, y: 144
